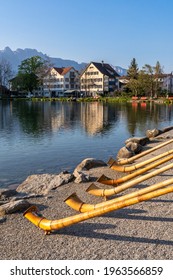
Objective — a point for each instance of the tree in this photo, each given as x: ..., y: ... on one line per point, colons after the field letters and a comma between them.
x: 132, y: 72
x: 5, y: 72
x: 31, y: 72
x: 158, y: 71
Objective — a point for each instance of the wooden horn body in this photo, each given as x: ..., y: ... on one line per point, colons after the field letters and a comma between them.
x: 131, y: 159
x: 77, y: 204
x: 94, y: 190
x: 114, y: 182
x: 141, y: 164
x: 49, y: 225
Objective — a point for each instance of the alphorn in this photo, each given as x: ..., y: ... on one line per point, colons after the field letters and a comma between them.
x: 77, y: 204
x: 129, y: 160
x: 114, y: 182
x: 141, y: 164
x: 50, y: 225
x: 94, y: 190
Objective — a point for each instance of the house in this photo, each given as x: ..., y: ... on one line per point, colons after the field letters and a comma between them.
x: 166, y: 81
x: 16, y: 88
x: 163, y: 81
x: 61, y: 82
x: 98, y: 79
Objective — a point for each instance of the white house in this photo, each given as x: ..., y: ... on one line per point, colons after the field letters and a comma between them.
x: 98, y: 78
x: 61, y: 82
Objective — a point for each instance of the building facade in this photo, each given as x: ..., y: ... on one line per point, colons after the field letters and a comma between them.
x: 98, y: 79
x: 61, y: 82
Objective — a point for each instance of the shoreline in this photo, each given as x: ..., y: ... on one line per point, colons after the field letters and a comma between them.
x: 141, y: 231
x: 108, y: 99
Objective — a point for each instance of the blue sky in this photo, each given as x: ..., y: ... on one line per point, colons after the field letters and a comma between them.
x: 93, y: 30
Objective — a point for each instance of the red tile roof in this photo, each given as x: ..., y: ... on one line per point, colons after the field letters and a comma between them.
x: 63, y: 70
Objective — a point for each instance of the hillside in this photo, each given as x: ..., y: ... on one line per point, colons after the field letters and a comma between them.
x: 15, y: 58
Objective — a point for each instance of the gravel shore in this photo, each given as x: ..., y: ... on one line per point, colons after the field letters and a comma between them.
x: 143, y: 231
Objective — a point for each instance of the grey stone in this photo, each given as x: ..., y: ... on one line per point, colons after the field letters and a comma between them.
x: 43, y: 183
x: 134, y: 147
x: 81, y: 177
x: 37, y: 184
x: 14, y: 206
x: 167, y: 129
x: 2, y: 219
x: 139, y: 140
x: 124, y: 153
x: 89, y: 163
x: 7, y: 192
x: 153, y: 133
x: 60, y: 179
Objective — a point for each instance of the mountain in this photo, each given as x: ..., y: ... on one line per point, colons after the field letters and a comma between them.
x: 15, y: 58
x: 121, y: 71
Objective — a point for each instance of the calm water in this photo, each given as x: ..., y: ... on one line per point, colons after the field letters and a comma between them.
x: 40, y: 137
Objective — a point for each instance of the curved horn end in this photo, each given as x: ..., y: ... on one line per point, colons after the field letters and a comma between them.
x: 111, y: 161
x: 94, y: 190
x: 74, y: 202
x: 72, y: 196
x: 102, y: 178
x: 32, y: 208
x: 92, y: 187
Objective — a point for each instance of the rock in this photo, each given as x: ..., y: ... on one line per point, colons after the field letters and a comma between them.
x: 153, y: 133
x: 81, y: 177
x: 2, y: 219
x: 139, y: 140
x: 60, y: 179
x: 14, y: 206
x: 124, y: 153
x: 167, y: 129
x: 89, y: 163
x: 7, y: 193
x: 24, y: 196
x: 37, y: 184
x: 42, y: 183
x: 134, y: 147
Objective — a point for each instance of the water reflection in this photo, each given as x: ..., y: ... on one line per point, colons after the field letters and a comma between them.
x: 36, y: 118
x: 49, y: 136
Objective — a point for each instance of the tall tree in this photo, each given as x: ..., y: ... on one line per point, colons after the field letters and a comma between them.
x: 132, y: 71
x: 158, y: 71
x: 31, y: 72
x: 5, y: 72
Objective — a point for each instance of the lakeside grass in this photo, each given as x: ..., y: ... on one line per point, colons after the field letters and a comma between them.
x: 118, y: 99
x: 123, y: 99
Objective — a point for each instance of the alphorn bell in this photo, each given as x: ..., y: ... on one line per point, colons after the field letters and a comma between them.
x: 131, y: 159
x: 50, y: 225
x: 141, y: 164
x: 94, y: 190
x: 114, y: 182
x: 77, y: 204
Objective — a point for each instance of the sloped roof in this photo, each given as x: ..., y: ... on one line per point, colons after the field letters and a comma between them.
x: 63, y: 70
x: 106, y: 69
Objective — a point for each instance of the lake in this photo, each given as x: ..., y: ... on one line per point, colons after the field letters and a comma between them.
x: 49, y: 137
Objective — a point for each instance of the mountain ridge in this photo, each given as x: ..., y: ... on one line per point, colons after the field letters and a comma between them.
x: 16, y: 57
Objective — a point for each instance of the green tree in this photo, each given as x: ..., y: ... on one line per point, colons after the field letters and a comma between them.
x: 5, y: 72
x: 132, y: 71
x: 31, y: 72
x: 132, y: 74
x: 158, y: 71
